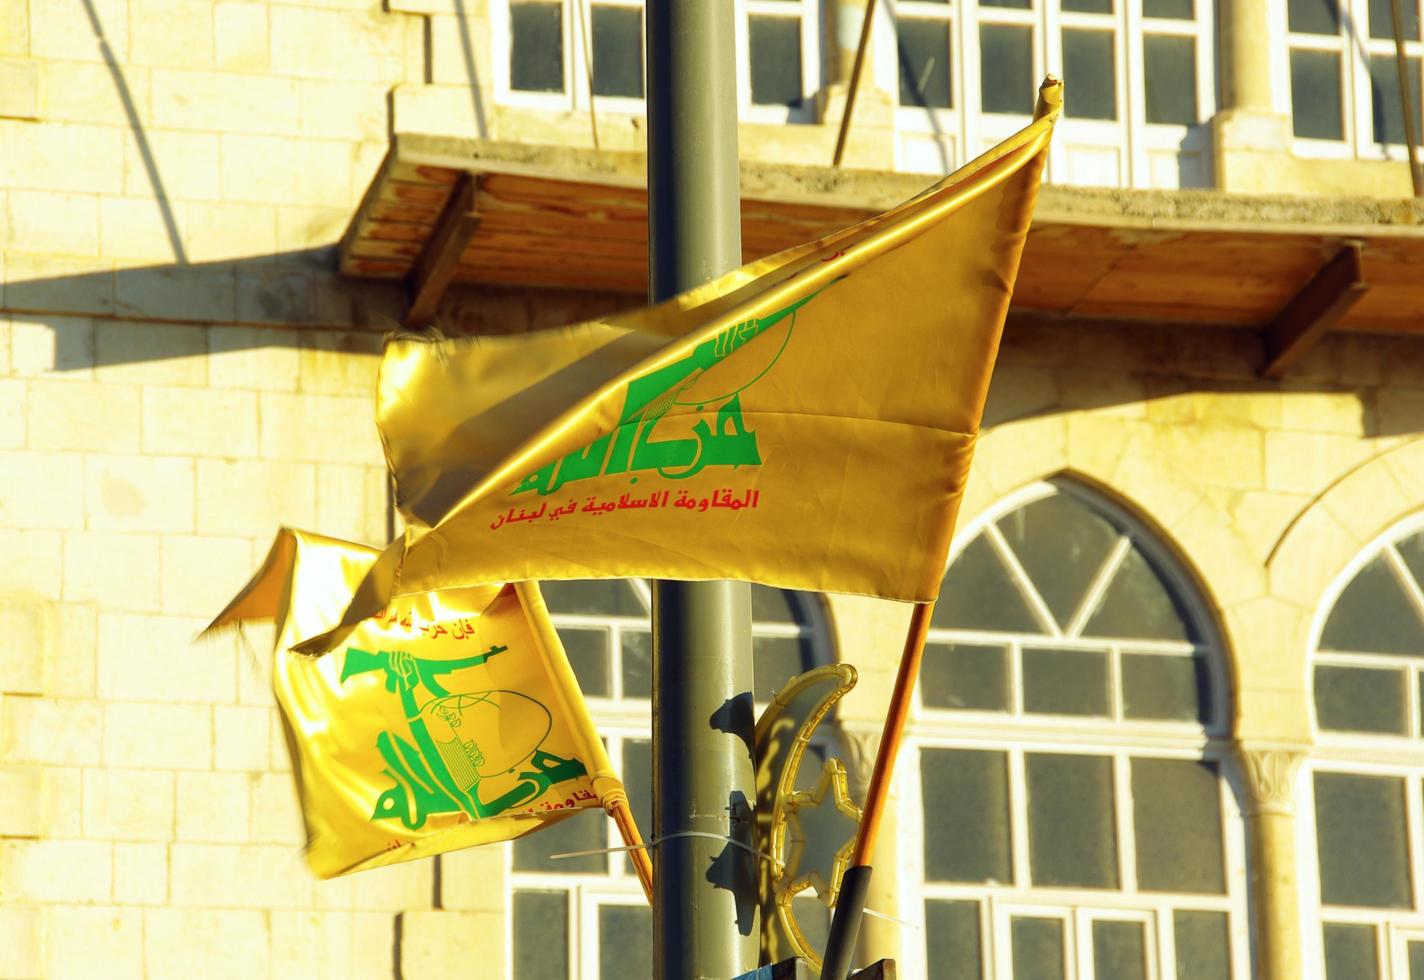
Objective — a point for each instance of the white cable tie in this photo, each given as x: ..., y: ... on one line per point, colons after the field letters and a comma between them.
x: 890, y: 918
x: 656, y: 841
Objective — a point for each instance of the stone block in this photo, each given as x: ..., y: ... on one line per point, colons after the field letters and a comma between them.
x: 52, y: 347
x: 171, y: 33
x: 341, y: 501
x: 457, y: 44
x: 149, y: 354
x: 94, y: 942
x: 199, y: 422
x: 96, y: 418
x: 346, y: 45
x: 473, y: 880
x: 139, y: 493
x: 19, y: 83
x: 218, y: 231
x: 20, y: 789
x: 278, y: 295
x: 53, y: 732
x: 128, y: 805
x: 26, y: 635
x: 69, y: 871
x: 450, y: 110
x: 49, y: 221
x: 254, y: 642
x: 1217, y: 455
x: 15, y: 29
x: 232, y: 876
x: 157, y: 736
x: 1261, y: 517
x: 253, y: 357
x: 382, y: 523
x: 393, y: 888
x: 344, y: 110
x: 252, y: 497
x: 61, y: 803
x: 225, y: 102
x: 21, y: 929
x: 321, y: 428
x: 153, y: 658
x: 59, y: 284
x: 88, y: 151
x: 1339, y: 412
x: 303, y: 228
x: 1304, y: 462
x: 229, y: 944
x: 32, y: 562
x: 438, y: 942
x: 70, y: 671
x: 241, y: 737
x: 65, y: 30
x: 1368, y: 501
x: 200, y: 574
x: 141, y: 874
x: 340, y: 363
x: 1315, y: 550
x: 173, y: 164
x: 1398, y: 410
x: 277, y: 170
x: 241, y: 36
x: 87, y: 92
x: 212, y: 807
x: 43, y: 490
x: 177, y: 293
x: 113, y: 570
x: 142, y: 228
x: 12, y: 414
x: 331, y: 945
x: 276, y: 813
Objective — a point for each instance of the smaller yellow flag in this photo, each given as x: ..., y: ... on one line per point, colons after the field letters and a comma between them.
x: 446, y: 721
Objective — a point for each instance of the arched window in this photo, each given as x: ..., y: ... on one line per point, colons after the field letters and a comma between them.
x: 585, y: 918
x: 1365, y: 785
x: 1075, y: 822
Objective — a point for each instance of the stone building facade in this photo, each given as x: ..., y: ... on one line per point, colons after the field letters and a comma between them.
x: 1171, y: 718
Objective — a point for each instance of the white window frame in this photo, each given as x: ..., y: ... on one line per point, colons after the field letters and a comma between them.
x: 1354, y: 52
x: 576, y: 21
x: 1017, y: 734
x: 972, y: 131
x: 1358, y: 753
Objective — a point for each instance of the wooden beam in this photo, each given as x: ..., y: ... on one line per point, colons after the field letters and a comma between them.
x: 432, y: 272
x: 1314, y: 310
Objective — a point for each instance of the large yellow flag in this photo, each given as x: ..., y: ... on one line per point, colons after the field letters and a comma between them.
x: 806, y: 421
x: 445, y: 721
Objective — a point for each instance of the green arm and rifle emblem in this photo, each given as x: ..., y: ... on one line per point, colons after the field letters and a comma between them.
x: 439, y: 769
x: 648, y: 400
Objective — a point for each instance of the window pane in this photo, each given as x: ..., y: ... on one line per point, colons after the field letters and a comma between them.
x: 1161, y: 688
x: 1411, y: 549
x: 777, y: 659
x: 774, y: 605
x: 1072, y: 840
x: 1174, y: 9
x: 776, y: 60
x: 1350, y: 952
x: 1176, y: 821
x: 924, y: 63
x: 1060, y: 543
x: 1119, y: 951
x: 637, y: 664
x: 625, y: 942
x: 1138, y: 604
x: 1088, y: 60
x: 1171, y: 79
x: 1006, y: 68
x: 952, y: 940
x: 973, y: 678
x: 1065, y: 682
x: 536, y: 47
x: 618, y: 51
x: 638, y: 781
x: 1315, y: 95
x: 1384, y: 98
x: 608, y: 597
x: 586, y: 830
x: 1089, y: 6
x: 979, y: 595
x: 1203, y: 945
x: 1416, y: 961
x: 1382, y: 22
x: 541, y: 934
x: 1359, y: 832
x: 1373, y: 615
x: 1038, y: 949
x: 1355, y: 699
x: 966, y: 815
x: 588, y: 655
x: 1015, y: 4
x: 1314, y: 16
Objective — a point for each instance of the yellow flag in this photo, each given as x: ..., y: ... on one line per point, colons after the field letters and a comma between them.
x: 445, y: 721
x: 806, y: 421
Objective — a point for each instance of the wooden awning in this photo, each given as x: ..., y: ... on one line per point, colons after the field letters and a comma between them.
x: 444, y: 210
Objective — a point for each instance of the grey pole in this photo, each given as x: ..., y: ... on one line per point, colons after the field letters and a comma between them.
x: 705, y: 906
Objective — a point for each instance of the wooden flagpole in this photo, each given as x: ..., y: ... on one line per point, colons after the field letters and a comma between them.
x: 622, y: 814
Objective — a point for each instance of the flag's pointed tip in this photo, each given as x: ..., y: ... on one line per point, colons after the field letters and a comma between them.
x: 1050, y: 96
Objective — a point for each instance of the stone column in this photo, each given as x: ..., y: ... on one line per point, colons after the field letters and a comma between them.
x: 1270, y: 780
x: 1249, y: 138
